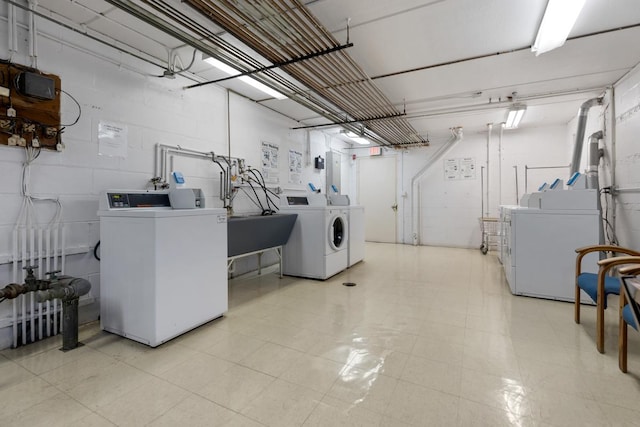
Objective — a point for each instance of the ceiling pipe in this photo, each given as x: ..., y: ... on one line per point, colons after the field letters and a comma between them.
x: 583, y: 113
x: 456, y: 137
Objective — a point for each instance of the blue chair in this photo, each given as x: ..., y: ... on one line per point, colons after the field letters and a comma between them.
x: 598, y: 286
x: 629, y: 312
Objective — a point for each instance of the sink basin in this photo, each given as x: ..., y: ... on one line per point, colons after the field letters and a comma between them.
x: 251, y: 233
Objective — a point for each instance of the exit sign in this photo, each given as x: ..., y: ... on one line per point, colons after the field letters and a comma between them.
x: 375, y: 151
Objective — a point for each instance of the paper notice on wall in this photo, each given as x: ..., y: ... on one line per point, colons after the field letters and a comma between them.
x: 295, y: 167
x: 468, y: 168
x: 451, y: 169
x: 460, y: 168
x: 112, y: 139
x: 270, y: 163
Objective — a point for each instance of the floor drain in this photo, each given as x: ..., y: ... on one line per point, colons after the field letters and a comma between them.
x: 348, y: 284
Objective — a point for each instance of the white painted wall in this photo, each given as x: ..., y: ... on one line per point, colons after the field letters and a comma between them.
x: 111, y: 86
x: 626, y: 153
x: 449, y: 209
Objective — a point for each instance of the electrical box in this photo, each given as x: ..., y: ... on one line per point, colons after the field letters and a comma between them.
x: 319, y: 162
x: 29, y: 107
x: 36, y: 85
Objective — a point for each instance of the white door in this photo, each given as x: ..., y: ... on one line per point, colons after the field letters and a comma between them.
x: 377, y: 193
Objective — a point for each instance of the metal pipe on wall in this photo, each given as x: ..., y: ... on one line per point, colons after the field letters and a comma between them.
x: 583, y: 113
x: 489, y: 132
x: 456, y: 136
x: 500, y: 164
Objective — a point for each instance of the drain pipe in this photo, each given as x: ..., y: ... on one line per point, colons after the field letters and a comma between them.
x: 456, y: 136
x: 593, y: 182
x: 583, y: 113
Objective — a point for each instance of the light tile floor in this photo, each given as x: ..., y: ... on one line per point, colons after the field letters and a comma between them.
x: 428, y: 337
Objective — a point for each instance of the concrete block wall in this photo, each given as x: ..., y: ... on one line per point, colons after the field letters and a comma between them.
x: 626, y: 152
x: 111, y: 86
x: 450, y: 209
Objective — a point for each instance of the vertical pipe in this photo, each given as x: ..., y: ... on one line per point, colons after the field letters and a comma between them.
x: 517, y: 189
x: 23, y: 307
x: 40, y: 320
x: 55, y: 248
x: 583, y: 113
x: 612, y: 126
x: 526, y: 179
x: 15, y: 255
x: 489, y: 131
x: 481, y: 191
x: 40, y: 270
x: 47, y: 258
x: 55, y: 267
x: 500, y: 164
x: 63, y: 251
x: 70, y: 324
x: 15, y: 323
x: 23, y: 317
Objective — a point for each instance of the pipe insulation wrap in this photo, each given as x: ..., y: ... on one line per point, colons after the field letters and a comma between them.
x: 583, y: 113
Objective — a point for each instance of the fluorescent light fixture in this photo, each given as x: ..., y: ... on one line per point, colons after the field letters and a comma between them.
x: 248, y: 80
x: 514, y: 116
x: 558, y: 20
x: 358, y: 139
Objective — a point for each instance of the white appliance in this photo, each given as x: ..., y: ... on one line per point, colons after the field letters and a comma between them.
x: 355, y: 218
x: 162, y: 270
x: 317, y: 247
x: 539, y: 244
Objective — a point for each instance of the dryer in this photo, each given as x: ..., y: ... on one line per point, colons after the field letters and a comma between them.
x: 317, y: 247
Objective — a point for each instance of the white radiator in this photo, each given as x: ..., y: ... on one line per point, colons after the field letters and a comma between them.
x: 43, y: 248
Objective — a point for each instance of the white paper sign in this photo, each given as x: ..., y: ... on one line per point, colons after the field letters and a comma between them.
x: 295, y: 167
x: 112, y: 139
x: 460, y: 168
x: 270, y: 163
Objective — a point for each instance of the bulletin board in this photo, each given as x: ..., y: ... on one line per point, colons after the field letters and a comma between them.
x: 28, y: 121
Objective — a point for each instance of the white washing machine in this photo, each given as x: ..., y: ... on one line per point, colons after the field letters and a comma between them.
x: 162, y: 270
x: 355, y: 218
x: 317, y: 247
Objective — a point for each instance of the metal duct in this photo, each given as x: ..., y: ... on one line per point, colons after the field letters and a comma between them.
x: 583, y: 112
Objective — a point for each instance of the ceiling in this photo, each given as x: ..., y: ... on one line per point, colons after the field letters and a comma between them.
x: 440, y: 63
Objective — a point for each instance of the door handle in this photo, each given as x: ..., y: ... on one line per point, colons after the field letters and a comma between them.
x: 395, y: 207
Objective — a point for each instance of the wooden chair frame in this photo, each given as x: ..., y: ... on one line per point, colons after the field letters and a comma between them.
x: 605, y: 266
x: 633, y: 270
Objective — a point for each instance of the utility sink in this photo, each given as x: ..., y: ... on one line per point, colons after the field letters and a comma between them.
x: 252, y: 233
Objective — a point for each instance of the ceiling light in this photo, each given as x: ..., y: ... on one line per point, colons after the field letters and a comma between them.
x: 559, y: 17
x: 514, y: 116
x: 248, y: 80
x: 358, y: 139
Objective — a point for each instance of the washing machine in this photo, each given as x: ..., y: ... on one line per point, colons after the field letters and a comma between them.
x: 355, y: 218
x: 162, y: 270
x: 318, y: 245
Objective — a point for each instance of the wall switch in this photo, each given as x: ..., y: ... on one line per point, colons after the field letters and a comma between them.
x: 13, y: 140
